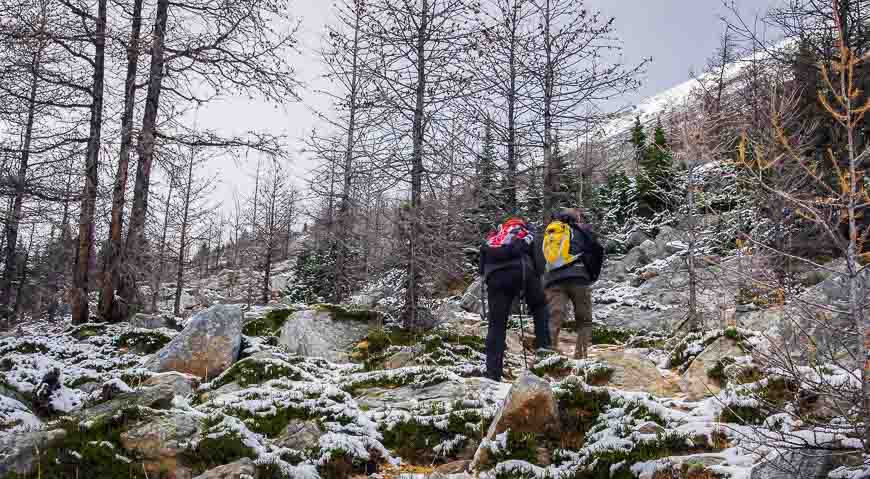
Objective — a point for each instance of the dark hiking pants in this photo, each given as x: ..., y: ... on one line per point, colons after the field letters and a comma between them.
x: 503, y: 287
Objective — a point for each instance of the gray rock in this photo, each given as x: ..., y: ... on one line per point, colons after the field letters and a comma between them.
x: 649, y: 427
x: 449, y: 312
x: 649, y: 248
x: 808, y: 464
x: 401, y: 359
x: 530, y: 407
x: 408, y: 398
x: 161, y: 438
x: 635, y: 258
x: 148, y: 321
x: 243, y: 468
x: 207, y: 346
x: 19, y: 450
x: 228, y: 388
x: 636, y: 238
x: 665, y: 236
x: 695, y: 382
x: 157, y: 397
x: 316, y: 333
x: 183, y: 384
x: 471, y: 297
x: 300, y: 435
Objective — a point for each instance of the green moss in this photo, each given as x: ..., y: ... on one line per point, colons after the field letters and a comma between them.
x: 416, y: 439
x: 24, y: 346
x: 605, y: 335
x: 743, y: 415
x: 214, y: 450
x: 666, y: 444
x: 341, y: 313
x: 579, y: 408
x: 717, y: 371
x: 95, y: 450
x: 87, y: 330
x: 250, y: 371
x: 143, y: 341
x: 269, y: 325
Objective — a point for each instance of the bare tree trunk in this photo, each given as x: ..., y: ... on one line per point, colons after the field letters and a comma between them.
x: 510, y: 178
x: 415, y: 229
x: 254, y: 228
x: 267, y: 267
x: 23, y: 276
x: 692, y: 320
x: 344, y: 207
x: 182, y: 245
x: 113, y: 263
x: 155, y: 286
x: 551, y: 164
x: 92, y: 158
x: 14, y: 219
x: 145, y: 149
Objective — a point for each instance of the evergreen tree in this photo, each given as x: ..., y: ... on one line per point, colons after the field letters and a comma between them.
x: 655, y: 178
x: 488, y: 209
x: 533, y: 204
x: 638, y: 142
x: 618, y: 199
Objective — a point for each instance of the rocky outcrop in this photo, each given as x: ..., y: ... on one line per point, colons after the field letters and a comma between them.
x: 207, y: 346
x: 157, y: 397
x: 530, y: 407
x: 300, y: 435
x: 161, y: 439
x: 471, y: 297
x: 183, y: 384
x: 20, y: 451
x: 634, y: 372
x: 803, y: 464
x: 149, y: 321
x: 696, y: 382
x: 241, y: 469
x: 323, y: 333
x: 408, y: 398
x: 636, y: 238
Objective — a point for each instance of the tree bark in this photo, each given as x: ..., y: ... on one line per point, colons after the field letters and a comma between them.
x: 155, y: 287
x: 182, y: 246
x: 511, y: 181
x: 270, y: 243
x: 111, y: 267
x: 89, y: 194
x: 23, y: 275
x: 145, y: 150
x: 414, y: 230
x: 551, y: 164
x: 14, y: 219
x: 344, y: 206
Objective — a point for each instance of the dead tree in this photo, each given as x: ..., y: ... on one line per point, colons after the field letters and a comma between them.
x: 571, y: 61
x: 81, y: 279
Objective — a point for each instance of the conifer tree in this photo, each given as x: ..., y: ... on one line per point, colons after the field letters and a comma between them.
x: 533, y: 204
x: 638, y: 142
x: 487, y: 212
x: 655, y: 177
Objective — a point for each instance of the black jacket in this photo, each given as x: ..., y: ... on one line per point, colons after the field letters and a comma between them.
x: 514, y: 255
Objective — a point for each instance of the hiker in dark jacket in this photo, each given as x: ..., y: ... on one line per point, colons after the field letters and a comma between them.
x: 509, y: 271
x: 571, y: 283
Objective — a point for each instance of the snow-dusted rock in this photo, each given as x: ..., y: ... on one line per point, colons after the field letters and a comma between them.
x: 665, y: 236
x: 407, y: 398
x: 183, y: 384
x: 207, y: 346
x: 15, y: 416
x: 635, y: 258
x: 157, y: 397
x: 321, y: 333
x: 636, y: 238
x: 161, y: 438
x: 649, y: 249
x: 633, y: 372
x: 807, y: 464
x: 695, y: 382
x: 243, y: 468
x: 300, y: 435
x: 148, y: 321
x: 18, y: 450
x: 530, y: 407
x: 401, y: 359
x: 471, y: 297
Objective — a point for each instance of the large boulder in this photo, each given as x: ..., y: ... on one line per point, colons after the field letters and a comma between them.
x: 530, y: 407
x: 635, y: 258
x: 801, y: 464
x: 634, y: 372
x: 471, y: 297
x: 327, y: 333
x: 408, y: 398
x: 300, y: 435
x: 243, y: 468
x: 696, y: 382
x: 183, y: 384
x: 19, y: 451
x: 666, y: 235
x: 156, y: 397
x: 207, y: 346
x: 161, y: 439
x: 636, y: 238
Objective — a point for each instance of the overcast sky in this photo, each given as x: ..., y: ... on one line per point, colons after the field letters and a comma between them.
x: 678, y: 34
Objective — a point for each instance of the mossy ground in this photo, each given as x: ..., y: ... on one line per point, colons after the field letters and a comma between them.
x: 416, y: 438
x: 343, y: 313
x: 250, y: 371
x: 269, y: 325
x: 143, y: 341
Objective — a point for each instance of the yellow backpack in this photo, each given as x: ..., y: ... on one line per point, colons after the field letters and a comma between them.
x: 557, y: 246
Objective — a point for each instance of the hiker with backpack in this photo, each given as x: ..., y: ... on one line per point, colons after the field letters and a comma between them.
x: 509, y: 271
x: 573, y: 259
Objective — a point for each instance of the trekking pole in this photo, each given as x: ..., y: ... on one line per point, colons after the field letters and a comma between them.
x: 483, y: 299
x: 522, y: 314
